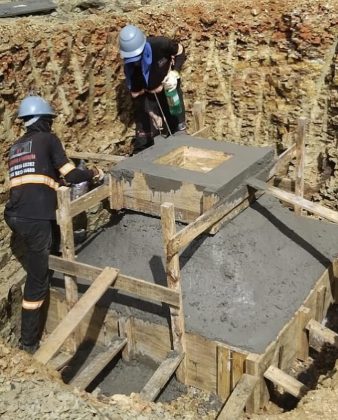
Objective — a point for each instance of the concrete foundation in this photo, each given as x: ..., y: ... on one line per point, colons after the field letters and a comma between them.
x: 239, y: 287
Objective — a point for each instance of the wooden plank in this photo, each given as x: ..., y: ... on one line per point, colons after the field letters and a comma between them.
x: 304, y: 315
x: 95, y: 367
x: 65, y: 222
x: 88, y: 200
x: 293, y: 199
x: 287, y: 382
x: 76, y: 315
x: 237, y: 367
x: 95, y: 156
x: 223, y: 372
x: 60, y: 360
x: 259, y: 393
x: 198, y: 113
x: 140, y: 288
x: 201, y: 224
x: 283, y: 159
x: 300, y: 161
x: 17, y: 8
x: 235, y: 405
x: 174, y: 282
x: 321, y: 292
x: 320, y: 336
x: 161, y: 376
x: 116, y: 193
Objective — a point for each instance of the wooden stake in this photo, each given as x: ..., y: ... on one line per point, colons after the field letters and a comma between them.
x: 174, y: 282
x: 223, y: 372
x: 75, y: 315
x: 287, y: 382
x: 303, y: 317
x: 116, y: 193
x: 293, y: 199
x: 198, y: 112
x: 65, y: 222
x: 300, y: 154
x: 126, y: 329
x: 233, y: 409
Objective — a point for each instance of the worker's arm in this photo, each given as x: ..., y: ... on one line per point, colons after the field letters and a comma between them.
x: 67, y: 169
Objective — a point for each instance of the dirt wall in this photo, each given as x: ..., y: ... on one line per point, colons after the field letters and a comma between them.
x: 257, y: 65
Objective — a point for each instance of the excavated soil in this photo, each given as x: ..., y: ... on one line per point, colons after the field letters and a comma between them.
x: 257, y: 65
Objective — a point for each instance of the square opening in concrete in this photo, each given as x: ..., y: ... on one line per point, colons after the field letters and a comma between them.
x: 194, y: 159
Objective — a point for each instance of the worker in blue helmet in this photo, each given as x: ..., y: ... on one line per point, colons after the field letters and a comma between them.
x: 37, y: 162
x: 152, y: 66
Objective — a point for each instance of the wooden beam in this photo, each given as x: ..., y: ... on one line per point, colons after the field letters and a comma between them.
x: 174, y: 282
x: 161, y: 376
x: 75, y: 315
x: 140, y: 288
x: 96, y: 366
x: 283, y: 159
x: 233, y: 409
x: 198, y: 112
x: 201, y: 224
x: 300, y: 159
x: 60, y: 360
x: 320, y: 336
x: 95, y: 156
x: 65, y: 222
x: 293, y: 199
x: 287, y: 382
x: 88, y: 200
x: 115, y: 193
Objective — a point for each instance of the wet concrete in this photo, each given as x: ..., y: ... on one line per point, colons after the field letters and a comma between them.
x: 245, y: 161
x: 240, y: 286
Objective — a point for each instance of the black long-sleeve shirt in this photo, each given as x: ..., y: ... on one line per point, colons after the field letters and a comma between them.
x: 36, y: 162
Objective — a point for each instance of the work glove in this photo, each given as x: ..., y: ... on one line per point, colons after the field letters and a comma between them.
x: 170, y: 81
x: 98, y: 174
x: 157, y: 120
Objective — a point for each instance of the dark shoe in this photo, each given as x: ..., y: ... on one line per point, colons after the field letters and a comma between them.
x: 31, y: 349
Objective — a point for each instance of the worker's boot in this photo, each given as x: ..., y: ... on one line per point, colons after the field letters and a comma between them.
x: 30, y: 329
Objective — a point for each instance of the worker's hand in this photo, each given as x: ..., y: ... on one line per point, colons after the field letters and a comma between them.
x: 157, y: 120
x: 136, y: 94
x: 157, y: 90
x: 98, y: 174
x: 170, y: 81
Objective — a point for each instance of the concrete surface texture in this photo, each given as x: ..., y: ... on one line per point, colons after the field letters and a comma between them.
x: 245, y: 161
x: 240, y: 286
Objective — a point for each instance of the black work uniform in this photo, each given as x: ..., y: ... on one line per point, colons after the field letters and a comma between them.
x: 35, y: 163
x: 164, y: 59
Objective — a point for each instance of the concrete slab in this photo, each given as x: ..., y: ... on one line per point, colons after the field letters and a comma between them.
x: 240, y: 286
x: 244, y: 161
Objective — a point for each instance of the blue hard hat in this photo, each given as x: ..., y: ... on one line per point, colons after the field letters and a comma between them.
x: 33, y: 106
x: 132, y: 41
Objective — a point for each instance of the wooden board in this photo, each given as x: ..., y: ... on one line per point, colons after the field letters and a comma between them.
x: 17, y: 8
x: 89, y: 200
x: 139, y: 196
x: 223, y: 372
x: 235, y: 405
x: 95, y: 156
x: 161, y: 376
x: 319, y: 335
x: 60, y: 360
x: 287, y: 382
x: 128, y: 284
x: 75, y: 315
x: 95, y: 367
x: 314, y: 208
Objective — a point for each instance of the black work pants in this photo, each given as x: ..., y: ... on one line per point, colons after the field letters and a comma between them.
x: 37, y: 238
x: 147, y: 102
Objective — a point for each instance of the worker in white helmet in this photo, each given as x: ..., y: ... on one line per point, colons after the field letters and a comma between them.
x: 152, y: 67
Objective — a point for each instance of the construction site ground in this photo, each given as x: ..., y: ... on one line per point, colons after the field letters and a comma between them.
x: 300, y: 59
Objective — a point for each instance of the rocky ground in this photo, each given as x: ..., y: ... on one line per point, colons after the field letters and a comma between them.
x: 257, y: 65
